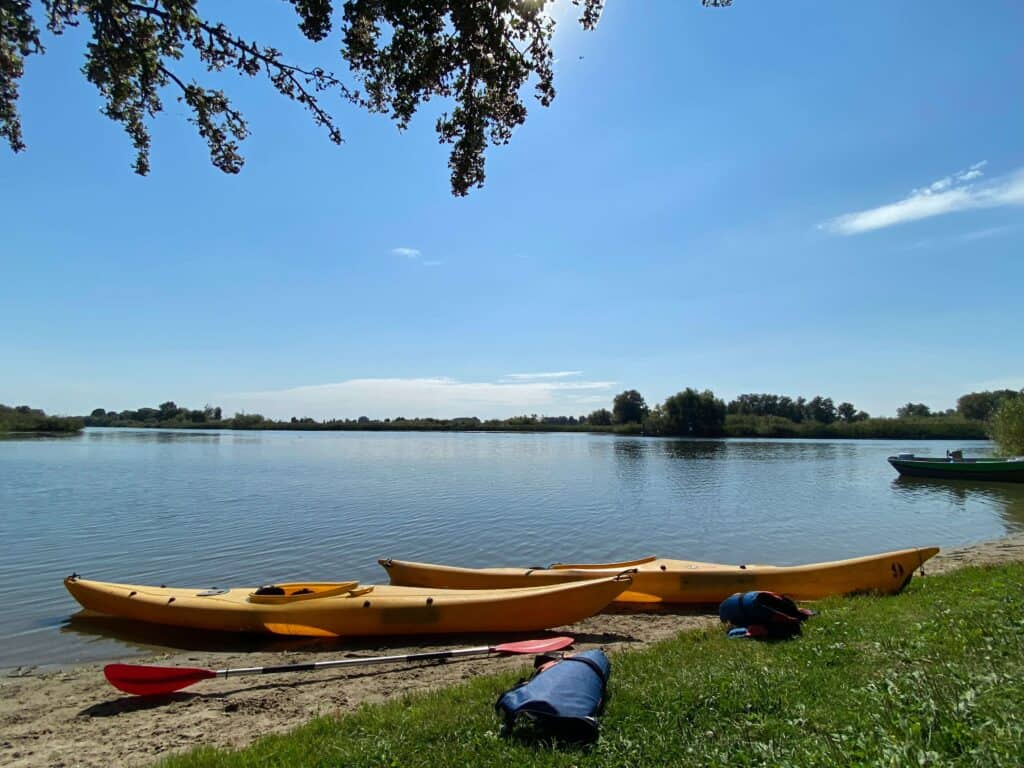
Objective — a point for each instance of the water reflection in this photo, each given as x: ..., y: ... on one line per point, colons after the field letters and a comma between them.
x: 154, y: 436
x: 1006, y: 498
x: 38, y: 436
x: 692, y: 449
x: 630, y: 451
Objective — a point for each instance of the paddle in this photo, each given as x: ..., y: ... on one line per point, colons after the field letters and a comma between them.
x: 144, y: 680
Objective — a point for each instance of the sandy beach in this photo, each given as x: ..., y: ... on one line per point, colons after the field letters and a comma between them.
x: 72, y: 717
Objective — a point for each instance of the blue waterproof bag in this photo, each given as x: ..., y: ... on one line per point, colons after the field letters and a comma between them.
x: 762, y: 614
x: 564, y: 696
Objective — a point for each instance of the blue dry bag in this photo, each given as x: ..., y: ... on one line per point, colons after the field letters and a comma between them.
x: 762, y: 614
x: 564, y: 696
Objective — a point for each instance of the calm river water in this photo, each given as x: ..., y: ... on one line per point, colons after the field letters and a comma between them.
x: 204, y: 508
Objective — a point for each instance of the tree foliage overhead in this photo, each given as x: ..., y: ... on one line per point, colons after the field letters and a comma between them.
x: 475, y: 54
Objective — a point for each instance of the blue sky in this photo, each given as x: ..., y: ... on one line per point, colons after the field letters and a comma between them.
x: 802, y: 198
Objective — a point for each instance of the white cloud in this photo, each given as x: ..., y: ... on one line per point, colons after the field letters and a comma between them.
x: 439, y: 397
x: 552, y: 375
x: 947, y: 195
x: 409, y: 253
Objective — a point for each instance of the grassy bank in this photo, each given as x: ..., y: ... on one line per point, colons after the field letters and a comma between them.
x: 930, y: 677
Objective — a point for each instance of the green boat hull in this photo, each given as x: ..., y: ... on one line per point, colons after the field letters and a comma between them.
x: 999, y: 470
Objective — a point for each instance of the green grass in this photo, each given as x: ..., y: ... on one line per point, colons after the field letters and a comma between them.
x: 934, y: 676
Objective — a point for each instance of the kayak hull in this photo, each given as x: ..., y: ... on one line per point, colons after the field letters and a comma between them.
x: 687, y: 582
x: 324, y: 610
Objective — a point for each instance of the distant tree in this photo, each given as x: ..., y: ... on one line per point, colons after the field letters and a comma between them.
x: 168, y: 410
x: 216, y: 414
x: 475, y: 54
x: 799, y: 409
x: 98, y: 412
x: 629, y: 407
x: 1006, y: 426
x: 689, y: 414
x: 248, y: 420
x: 602, y: 417
x: 981, y: 405
x: 363, y: 420
x: 847, y: 411
x: 912, y: 410
x: 821, y: 409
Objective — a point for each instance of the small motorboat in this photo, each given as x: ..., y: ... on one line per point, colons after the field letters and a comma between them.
x: 955, y: 467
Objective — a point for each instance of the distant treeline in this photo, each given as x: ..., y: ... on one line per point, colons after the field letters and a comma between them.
x: 25, y: 419
x: 689, y: 413
x: 169, y: 415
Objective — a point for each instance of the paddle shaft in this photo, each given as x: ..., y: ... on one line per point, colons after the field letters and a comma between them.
x: 427, y: 656
x: 146, y: 680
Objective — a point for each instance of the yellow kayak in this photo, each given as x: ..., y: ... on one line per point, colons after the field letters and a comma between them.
x: 336, y: 609
x: 657, y: 580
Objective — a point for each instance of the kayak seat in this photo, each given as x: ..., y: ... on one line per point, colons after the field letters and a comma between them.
x: 269, y: 589
x: 277, y: 594
x: 602, y: 566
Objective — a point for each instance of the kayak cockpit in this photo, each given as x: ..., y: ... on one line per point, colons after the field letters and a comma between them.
x: 276, y: 594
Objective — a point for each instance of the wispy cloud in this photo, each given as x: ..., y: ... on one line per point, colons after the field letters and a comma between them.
x: 957, y: 192
x: 550, y: 375
x: 439, y: 397
x: 432, y: 263
x: 409, y: 253
x: 984, y: 234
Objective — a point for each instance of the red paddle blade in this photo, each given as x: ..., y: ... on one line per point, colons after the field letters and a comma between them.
x: 153, y: 681
x: 547, y: 645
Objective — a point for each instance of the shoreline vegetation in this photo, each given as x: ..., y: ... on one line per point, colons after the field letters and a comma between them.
x: 25, y: 419
x: 689, y: 413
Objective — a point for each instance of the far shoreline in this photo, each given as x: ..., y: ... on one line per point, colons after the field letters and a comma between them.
x: 898, y: 429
